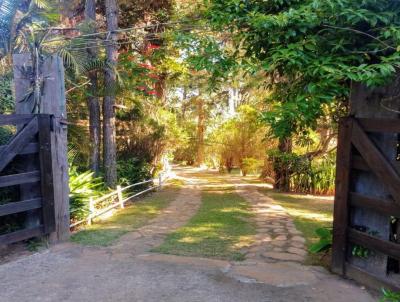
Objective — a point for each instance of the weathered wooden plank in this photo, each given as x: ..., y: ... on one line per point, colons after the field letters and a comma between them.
x: 358, y: 163
x: 54, y: 102
x: 21, y: 235
x: 22, y: 65
x: 18, y: 143
x: 15, y: 119
x: 341, y: 208
x: 370, y: 242
x: 31, y: 148
x: 18, y: 179
x: 376, y: 161
x: 20, y: 206
x: 371, y: 281
x: 46, y: 169
x: 380, y: 125
x: 386, y: 207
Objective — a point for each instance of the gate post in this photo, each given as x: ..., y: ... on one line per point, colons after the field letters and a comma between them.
x: 52, y: 102
x: 341, y: 207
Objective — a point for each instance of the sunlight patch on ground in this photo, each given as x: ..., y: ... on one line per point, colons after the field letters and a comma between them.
x: 310, y: 215
x: 105, y: 232
x: 218, y: 230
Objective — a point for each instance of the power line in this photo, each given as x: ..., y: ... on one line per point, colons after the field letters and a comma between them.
x: 135, y: 28
x: 105, y: 43
x: 153, y: 38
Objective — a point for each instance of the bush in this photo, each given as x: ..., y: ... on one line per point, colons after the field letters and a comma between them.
x: 82, y: 186
x: 316, y: 176
x: 251, y: 165
x: 6, y: 95
x: 133, y: 171
x: 6, y: 133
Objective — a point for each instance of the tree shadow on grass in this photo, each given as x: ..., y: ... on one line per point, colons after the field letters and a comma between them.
x: 218, y: 230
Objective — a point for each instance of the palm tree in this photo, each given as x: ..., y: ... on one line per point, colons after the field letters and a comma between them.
x: 109, y: 144
x: 93, y: 100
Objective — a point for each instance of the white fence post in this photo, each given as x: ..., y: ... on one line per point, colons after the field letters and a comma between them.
x: 160, y: 181
x: 91, y: 211
x: 120, y: 199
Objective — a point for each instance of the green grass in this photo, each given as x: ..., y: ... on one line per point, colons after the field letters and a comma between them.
x: 218, y: 230
x: 105, y: 232
x: 309, y: 213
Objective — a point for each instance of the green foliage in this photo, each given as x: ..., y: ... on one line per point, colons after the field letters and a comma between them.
x: 251, y: 165
x: 6, y: 132
x: 389, y: 296
x: 6, y: 95
x: 238, y: 138
x: 132, y: 171
x: 82, y: 186
x: 316, y: 176
x: 311, y: 50
x: 360, y: 251
x: 325, y: 241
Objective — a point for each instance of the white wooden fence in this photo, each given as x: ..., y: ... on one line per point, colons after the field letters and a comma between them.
x: 118, y: 199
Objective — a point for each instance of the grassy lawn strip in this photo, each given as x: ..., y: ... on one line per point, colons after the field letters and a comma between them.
x: 105, y: 232
x: 218, y: 230
x: 309, y: 213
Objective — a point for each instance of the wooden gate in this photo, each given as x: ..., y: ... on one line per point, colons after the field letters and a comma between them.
x: 26, y: 164
x: 354, y: 245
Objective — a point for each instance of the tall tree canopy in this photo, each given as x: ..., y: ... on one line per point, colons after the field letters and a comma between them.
x: 311, y: 50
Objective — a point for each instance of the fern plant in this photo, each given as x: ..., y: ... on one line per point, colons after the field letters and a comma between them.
x: 82, y: 187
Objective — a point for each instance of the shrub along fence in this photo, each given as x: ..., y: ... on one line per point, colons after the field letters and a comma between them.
x: 119, y: 197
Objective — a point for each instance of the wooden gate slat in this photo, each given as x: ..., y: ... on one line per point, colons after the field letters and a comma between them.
x: 343, y: 160
x: 370, y: 242
x: 376, y: 161
x: 18, y: 179
x: 18, y: 143
x: 15, y: 119
x: 21, y: 235
x: 358, y: 163
x: 380, y: 125
x: 20, y: 206
x: 46, y: 167
x: 31, y: 148
x: 386, y: 207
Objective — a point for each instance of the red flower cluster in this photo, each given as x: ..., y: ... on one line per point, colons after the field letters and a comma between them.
x: 146, y: 66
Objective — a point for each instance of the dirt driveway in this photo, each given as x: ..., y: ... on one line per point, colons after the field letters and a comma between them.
x: 126, y: 271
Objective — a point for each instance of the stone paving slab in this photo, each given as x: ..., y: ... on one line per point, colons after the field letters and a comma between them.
x: 277, y: 238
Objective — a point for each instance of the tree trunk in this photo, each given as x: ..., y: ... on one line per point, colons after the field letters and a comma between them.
x: 282, y: 173
x: 201, y: 128
x: 109, y: 144
x: 93, y: 100
x: 161, y: 88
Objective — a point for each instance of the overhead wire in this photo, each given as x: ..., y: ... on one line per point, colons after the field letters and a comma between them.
x: 104, y: 43
x: 85, y: 41
x: 135, y: 28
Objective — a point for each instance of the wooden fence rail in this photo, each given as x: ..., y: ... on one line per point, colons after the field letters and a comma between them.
x: 31, y: 136
x: 118, y: 196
